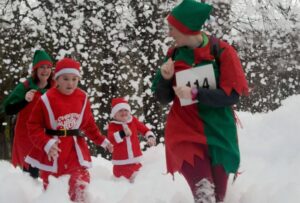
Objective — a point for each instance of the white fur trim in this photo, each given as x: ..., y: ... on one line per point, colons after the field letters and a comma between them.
x: 79, y: 121
x: 129, y: 148
x: 53, y: 123
x: 36, y: 163
x: 82, y: 162
x: 118, y: 137
x: 67, y: 70
x: 149, y: 133
x: 118, y: 107
x: 120, y: 122
x: 127, y: 161
x: 49, y: 145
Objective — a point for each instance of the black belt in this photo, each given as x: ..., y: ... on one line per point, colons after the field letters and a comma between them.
x: 64, y: 132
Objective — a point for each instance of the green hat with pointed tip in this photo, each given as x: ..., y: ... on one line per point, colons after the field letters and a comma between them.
x: 189, y: 16
x: 41, y: 58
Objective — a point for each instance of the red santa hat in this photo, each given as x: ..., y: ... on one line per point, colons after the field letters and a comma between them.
x: 117, y: 104
x: 67, y: 65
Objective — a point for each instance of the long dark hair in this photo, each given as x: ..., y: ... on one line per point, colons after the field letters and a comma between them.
x: 36, y: 79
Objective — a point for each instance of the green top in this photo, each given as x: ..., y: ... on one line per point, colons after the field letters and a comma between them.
x: 18, y: 94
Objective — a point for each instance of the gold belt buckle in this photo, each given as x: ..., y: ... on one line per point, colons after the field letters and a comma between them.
x: 65, y: 132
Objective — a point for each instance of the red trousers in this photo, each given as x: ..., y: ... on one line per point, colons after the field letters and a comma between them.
x: 79, y: 179
x: 205, y: 181
x: 126, y: 170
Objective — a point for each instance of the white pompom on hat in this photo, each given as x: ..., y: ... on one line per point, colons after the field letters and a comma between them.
x: 117, y: 104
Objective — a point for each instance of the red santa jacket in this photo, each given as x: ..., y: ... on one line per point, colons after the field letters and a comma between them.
x: 58, y: 111
x: 127, y: 150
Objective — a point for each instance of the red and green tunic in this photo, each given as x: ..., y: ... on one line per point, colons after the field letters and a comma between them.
x: 189, y: 127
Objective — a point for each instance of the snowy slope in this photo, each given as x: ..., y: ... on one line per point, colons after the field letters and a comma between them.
x: 270, y: 165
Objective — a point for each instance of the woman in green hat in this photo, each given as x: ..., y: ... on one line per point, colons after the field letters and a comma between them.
x: 203, y: 78
x: 21, y: 101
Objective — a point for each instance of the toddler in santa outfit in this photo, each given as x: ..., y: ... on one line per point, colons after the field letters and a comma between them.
x: 58, y: 125
x: 123, y: 133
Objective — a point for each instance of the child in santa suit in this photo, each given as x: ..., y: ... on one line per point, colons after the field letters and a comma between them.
x: 58, y: 125
x: 123, y: 133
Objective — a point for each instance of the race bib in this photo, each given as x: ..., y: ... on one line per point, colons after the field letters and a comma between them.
x: 200, y: 77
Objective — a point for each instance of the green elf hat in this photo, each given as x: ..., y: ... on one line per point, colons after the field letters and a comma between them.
x: 189, y: 16
x: 41, y: 58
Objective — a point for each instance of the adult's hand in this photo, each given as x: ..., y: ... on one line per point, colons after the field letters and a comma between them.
x: 29, y: 95
x: 167, y: 70
x: 183, y: 92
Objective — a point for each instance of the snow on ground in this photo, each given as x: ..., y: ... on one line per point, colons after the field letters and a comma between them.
x: 269, y: 144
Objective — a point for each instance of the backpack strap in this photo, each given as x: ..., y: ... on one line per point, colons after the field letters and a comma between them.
x: 215, y: 49
x: 26, y: 85
x: 172, y: 52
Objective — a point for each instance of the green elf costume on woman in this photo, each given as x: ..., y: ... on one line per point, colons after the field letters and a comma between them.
x: 205, y: 128
x: 15, y: 103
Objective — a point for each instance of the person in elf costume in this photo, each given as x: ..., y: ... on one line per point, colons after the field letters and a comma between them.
x: 200, y: 132
x: 21, y: 102
x: 123, y: 133
x: 58, y: 126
